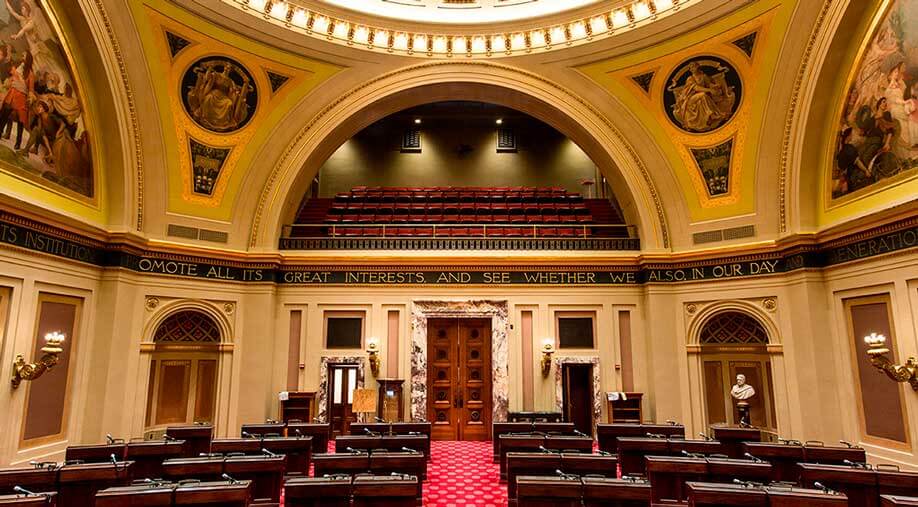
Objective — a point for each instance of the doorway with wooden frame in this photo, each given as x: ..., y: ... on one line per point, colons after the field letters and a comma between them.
x: 734, y: 343
x: 342, y: 381
x: 459, y: 378
x: 577, y: 395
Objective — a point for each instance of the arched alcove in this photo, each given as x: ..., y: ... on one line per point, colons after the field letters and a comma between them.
x: 444, y: 81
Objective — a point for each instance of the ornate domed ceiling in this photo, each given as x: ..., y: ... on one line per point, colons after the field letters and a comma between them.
x: 459, y: 11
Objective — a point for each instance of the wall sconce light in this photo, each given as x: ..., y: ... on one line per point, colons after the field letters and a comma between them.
x: 548, y: 348
x: 877, y: 351
x: 31, y: 371
x: 373, y: 351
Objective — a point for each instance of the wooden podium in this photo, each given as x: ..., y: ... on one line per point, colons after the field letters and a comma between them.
x: 297, y: 406
x: 625, y: 410
x: 389, y: 406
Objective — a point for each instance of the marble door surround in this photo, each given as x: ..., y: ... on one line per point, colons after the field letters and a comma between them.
x: 500, y: 325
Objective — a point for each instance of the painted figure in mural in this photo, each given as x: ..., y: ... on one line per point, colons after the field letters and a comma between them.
x: 878, y: 131
x: 217, y: 102
x: 40, y: 102
x: 703, y: 102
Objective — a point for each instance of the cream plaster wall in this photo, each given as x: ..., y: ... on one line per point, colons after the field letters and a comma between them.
x: 814, y: 386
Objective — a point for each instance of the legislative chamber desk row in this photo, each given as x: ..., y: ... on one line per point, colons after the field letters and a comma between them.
x: 392, y: 428
x: 373, y: 462
x: 503, y: 428
x: 530, y: 463
x: 417, y: 443
x: 320, y: 432
x: 534, y: 443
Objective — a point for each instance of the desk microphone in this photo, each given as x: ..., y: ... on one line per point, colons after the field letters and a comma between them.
x: 705, y: 437
x: 109, y: 438
x: 753, y: 458
x: 546, y: 451
x: 268, y: 453
x: 24, y: 491
x: 412, y: 451
x: 229, y: 479
x: 824, y: 488
x: 246, y: 434
x: 316, y: 420
x: 671, y: 422
x: 379, y: 419
x: 847, y: 443
x: 853, y: 464
x: 655, y: 435
x: 570, y: 477
x: 414, y: 433
x: 167, y: 438
x: 114, y: 461
x: 582, y: 434
x: 299, y: 434
x: 352, y: 450
x: 604, y: 453
x: 370, y: 432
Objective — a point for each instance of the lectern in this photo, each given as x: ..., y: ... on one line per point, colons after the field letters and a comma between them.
x: 389, y: 405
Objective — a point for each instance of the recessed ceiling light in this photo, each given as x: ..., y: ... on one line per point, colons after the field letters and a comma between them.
x: 499, y: 121
x: 417, y: 121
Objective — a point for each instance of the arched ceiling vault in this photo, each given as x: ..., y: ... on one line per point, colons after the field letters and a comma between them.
x: 609, y: 96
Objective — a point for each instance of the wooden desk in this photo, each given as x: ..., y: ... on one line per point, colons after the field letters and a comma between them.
x: 589, y: 464
x: 297, y: 450
x: 608, y: 434
x: 860, y: 485
x: 783, y: 458
x: 517, y: 443
x: 265, y: 472
x: 567, y: 443
x: 331, y: 464
x: 318, y: 431
x: 42, y: 500
x: 398, y: 462
x: 891, y: 500
x: 420, y: 443
x: 273, y: 429
x: 78, y: 484
x: 101, y: 453
x: 631, y: 452
x: 197, y: 438
x: 725, y: 495
x: 799, y: 497
x: 535, y: 491
x: 214, y: 494
x: 669, y: 474
x: 532, y: 417
x: 395, y: 428
x: 502, y: 428
x: 529, y: 463
x: 318, y: 492
x: 148, y: 456
x: 136, y: 496
x: 201, y: 468
x: 615, y: 493
x: 732, y: 437
x: 895, y: 483
x: 30, y: 478
x: 386, y: 491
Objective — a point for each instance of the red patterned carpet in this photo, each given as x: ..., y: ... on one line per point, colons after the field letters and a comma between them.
x: 462, y: 473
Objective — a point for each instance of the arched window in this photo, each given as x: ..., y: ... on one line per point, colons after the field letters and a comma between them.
x: 735, y: 343
x: 733, y: 328
x: 183, y: 370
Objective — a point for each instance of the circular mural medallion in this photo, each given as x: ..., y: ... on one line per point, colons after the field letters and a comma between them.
x: 702, y: 94
x: 219, y: 94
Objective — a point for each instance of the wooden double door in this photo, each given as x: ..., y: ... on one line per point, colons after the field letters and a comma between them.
x: 459, y: 378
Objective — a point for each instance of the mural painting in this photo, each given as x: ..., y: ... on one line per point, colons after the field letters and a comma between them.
x: 877, y: 136
x: 43, y: 133
x: 714, y: 164
x: 219, y: 94
x: 703, y: 94
x: 206, y: 164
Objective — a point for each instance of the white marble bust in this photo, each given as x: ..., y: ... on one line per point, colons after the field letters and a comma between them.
x: 742, y: 391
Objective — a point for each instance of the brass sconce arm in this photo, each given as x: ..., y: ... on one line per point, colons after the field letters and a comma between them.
x: 548, y: 348
x: 373, y: 355
x: 50, y: 357
x: 877, y: 353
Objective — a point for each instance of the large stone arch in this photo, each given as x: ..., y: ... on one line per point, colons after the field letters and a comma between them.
x: 479, y: 81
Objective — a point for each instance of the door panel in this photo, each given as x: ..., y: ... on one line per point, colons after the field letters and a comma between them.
x: 474, y: 379
x: 459, y: 378
x: 442, y: 371
x: 577, y: 396
x: 341, y: 385
x: 714, y: 392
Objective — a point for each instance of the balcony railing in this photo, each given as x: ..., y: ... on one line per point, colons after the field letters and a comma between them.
x: 466, y: 236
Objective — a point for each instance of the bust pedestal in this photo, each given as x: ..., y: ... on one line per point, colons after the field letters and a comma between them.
x: 743, y: 408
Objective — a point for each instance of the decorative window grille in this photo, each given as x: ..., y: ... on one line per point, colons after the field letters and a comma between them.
x: 187, y: 326
x: 733, y: 328
x: 506, y: 141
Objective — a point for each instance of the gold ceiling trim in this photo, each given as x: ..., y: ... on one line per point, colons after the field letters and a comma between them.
x: 320, y: 25
x: 791, y: 120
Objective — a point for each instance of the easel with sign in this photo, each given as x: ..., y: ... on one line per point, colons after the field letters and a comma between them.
x: 364, y: 403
